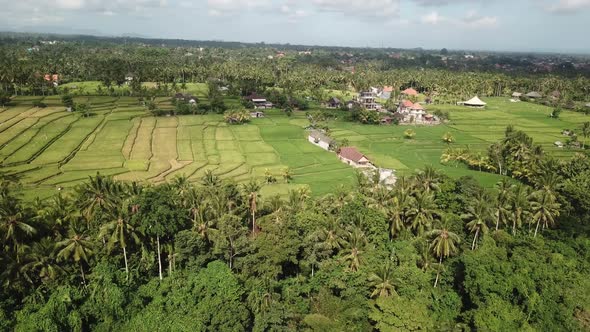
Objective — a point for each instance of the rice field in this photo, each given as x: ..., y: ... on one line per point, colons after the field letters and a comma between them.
x: 50, y: 148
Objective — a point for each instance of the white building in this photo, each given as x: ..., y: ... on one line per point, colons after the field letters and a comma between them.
x: 320, y: 139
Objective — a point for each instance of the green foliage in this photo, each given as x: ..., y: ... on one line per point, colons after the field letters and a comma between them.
x: 409, y: 133
x: 67, y: 100
x: 401, y: 314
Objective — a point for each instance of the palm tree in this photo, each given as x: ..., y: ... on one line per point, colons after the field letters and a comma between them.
x: 479, y: 213
x: 251, y: 190
x: 15, y: 229
x: 428, y: 179
x: 395, y: 214
x: 353, y: 250
x: 41, y: 261
x: 519, y: 205
x: 544, y: 209
x: 77, y: 247
x: 382, y: 282
x: 98, y: 195
x: 118, y: 230
x: 502, y: 202
x: 444, y: 244
x: 422, y: 213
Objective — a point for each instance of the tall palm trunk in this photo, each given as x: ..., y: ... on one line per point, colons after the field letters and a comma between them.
x: 82, y: 273
x: 474, y: 239
x: 537, y: 228
x: 159, y: 258
x: 514, y: 227
x: 126, y: 266
x: 438, y: 271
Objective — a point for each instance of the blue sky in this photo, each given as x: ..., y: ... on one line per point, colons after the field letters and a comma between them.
x: 513, y: 25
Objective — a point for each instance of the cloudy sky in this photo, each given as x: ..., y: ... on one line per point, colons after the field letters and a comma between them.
x: 519, y: 25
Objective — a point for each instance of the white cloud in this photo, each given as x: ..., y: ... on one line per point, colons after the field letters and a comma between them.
x: 475, y: 20
x: 433, y: 18
x: 225, y: 7
x: 471, y: 19
x: 367, y: 8
x: 70, y: 4
x: 568, y: 6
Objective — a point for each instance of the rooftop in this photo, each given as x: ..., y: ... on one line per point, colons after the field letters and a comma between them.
x: 351, y: 153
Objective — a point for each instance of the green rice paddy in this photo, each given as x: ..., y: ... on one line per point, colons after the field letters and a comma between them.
x: 51, y: 148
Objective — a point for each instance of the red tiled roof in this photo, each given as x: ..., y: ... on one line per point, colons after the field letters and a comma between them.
x: 410, y: 92
x: 407, y: 104
x: 417, y: 107
x: 351, y: 153
x: 387, y: 89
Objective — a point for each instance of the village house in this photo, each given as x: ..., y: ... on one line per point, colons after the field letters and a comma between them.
x: 386, y: 92
x: 410, y: 92
x: 534, y: 95
x: 259, y: 101
x: 320, y: 139
x: 405, y: 106
x: 417, y: 111
x: 333, y: 103
x: 353, y: 157
x: 53, y: 78
x: 367, y: 100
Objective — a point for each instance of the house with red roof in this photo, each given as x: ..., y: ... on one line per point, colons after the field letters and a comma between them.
x: 353, y: 157
x: 410, y: 92
x: 405, y: 106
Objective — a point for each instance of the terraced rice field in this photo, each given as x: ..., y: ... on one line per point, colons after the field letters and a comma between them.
x: 50, y: 148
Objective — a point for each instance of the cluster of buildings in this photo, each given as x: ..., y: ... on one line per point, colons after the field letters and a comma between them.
x: 351, y: 156
x: 406, y: 111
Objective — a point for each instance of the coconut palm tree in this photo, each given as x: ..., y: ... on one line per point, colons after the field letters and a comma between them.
x: 519, y: 205
x: 395, y: 215
x: 382, y: 282
x: 97, y: 195
x: 422, y: 212
x: 479, y: 214
x: 443, y: 244
x: 428, y: 179
x: 119, y: 231
x: 14, y: 229
x: 354, y: 248
x: 544, y: 209
x: 40, y: 260
x: 251, y: 189
x: 77, y: 247
x: 502, y: 202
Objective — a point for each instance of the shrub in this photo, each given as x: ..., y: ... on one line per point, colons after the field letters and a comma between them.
x: 409, y: 133
x: 39, y: 104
